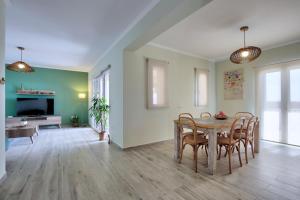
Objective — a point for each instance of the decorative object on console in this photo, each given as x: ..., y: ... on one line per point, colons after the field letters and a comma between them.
x: 221, y: 115
x: 75, y: 120
x: 247, y: 53
x: 100, y: 110
x: 20, y: 66
x: 36, y: 92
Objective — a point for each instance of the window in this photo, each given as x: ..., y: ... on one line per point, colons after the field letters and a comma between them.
x: 201, y: 87
x: 157, y: 83
x: 279, y: 102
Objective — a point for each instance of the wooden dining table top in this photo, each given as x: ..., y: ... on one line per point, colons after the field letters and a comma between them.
x: 212, y: 122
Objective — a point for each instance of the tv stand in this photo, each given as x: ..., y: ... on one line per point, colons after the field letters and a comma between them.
x: 37, y: 121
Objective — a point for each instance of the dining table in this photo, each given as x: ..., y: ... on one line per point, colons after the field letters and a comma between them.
x: 212, y: 126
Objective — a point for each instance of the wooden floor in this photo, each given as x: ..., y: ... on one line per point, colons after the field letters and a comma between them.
x: 70, y: 164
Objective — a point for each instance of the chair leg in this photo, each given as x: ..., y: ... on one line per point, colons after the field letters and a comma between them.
x: 225, y: 153
x: 229, y: 150
x: 206, y: 150
x: 252, y: 149
x: 246, y: 150
x: 181, y: 152
x: 219, y: 155
x: 194, y: 152
x: 239, y: 152
x: 195, y: 157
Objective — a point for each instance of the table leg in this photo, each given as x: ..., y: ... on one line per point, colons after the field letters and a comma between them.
x: 31, y: 139
x: 256, y: 138
x: 212, y: 150
x: 176, y: 142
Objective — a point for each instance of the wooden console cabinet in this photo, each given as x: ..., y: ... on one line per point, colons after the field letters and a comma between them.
x: 36, y: 121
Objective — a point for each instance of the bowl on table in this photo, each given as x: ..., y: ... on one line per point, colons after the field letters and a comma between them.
x: 221, y: 116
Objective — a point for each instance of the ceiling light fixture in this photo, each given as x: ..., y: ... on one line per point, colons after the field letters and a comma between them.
x: 20, y: 66
x: 245, y: 54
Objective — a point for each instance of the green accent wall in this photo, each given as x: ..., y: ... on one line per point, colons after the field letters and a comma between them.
x: 66, y: 84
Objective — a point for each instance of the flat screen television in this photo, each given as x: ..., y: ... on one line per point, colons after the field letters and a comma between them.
x: 34, y: 106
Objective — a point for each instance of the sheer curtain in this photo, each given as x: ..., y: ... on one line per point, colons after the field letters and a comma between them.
x: 201, y: 87
x: 157, y: 86
x: 278, y: 89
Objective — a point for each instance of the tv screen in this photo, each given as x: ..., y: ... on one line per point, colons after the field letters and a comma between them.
x: 34, y: 106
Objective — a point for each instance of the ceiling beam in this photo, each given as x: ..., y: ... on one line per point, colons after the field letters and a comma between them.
x: 163, y: 16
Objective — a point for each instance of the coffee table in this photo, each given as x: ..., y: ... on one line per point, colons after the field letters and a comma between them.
x: 21, y: 131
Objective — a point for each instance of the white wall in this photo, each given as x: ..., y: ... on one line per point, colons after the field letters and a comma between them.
x: 115, y: 59
x: 161, y: 17
x: 2, y: 90
x: 143, y: 126
x: 281, y: 54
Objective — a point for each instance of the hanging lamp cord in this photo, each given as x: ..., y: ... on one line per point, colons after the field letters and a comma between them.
x: 21, y: 55
x: 244, y: 38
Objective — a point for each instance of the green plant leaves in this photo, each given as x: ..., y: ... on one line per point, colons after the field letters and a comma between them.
x: 100, y: 110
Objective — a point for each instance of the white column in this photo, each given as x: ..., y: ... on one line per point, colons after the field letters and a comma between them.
x: 2, y: 91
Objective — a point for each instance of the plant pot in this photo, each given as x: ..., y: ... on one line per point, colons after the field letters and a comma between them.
x: 101, y: 135
x: 75, y: 124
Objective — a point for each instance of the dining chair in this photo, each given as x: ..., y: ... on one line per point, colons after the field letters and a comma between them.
x: 230, y: 143
x: 189, y: 115
x: 186, y: 115
x: 247, y: 137
x: 205, y: 115
x: 201, y: 132
x: 243, y: 114
x: 191, y: 138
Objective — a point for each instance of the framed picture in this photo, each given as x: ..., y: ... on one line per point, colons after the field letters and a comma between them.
x: 233, y: 84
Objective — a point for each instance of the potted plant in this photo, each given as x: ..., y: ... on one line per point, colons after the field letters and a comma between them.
x: 75, y: 120
x: 100, y: 110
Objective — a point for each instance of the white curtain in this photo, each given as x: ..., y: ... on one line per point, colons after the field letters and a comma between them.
x: 279, y: 102
x: 201, y: 87
x: 157, y: 83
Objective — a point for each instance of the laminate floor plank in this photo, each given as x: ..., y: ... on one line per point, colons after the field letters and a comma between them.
x: 71, y: 164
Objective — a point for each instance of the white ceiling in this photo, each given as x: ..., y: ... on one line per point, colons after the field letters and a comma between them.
x: 213, y: 31
x: 68, y: 34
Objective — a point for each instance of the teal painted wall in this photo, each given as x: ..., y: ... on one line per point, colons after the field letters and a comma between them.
x: 66, y: 84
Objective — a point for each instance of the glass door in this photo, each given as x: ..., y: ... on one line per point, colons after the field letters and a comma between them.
x: 271, y: 115
x: 279, y: 103
x: 294, y: 107
x: 101, y: 89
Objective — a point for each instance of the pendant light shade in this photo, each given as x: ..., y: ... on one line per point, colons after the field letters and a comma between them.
x: 20, y: 66
x: 247, y: 53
